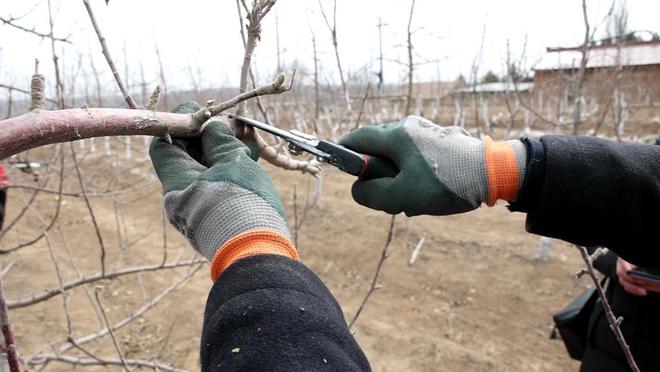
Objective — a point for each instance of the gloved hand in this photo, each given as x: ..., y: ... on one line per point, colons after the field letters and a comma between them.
x: 443, y: 170
x: 218, y: 197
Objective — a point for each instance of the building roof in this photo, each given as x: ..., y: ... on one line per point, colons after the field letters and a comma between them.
x: 634, y: 54
x: 495, y: 88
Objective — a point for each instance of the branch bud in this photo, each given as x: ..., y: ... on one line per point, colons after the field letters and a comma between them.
x: 279, y: 80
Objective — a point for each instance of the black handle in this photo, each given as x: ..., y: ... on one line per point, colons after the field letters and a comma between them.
x: 375, y: 167
x: 360, y: 165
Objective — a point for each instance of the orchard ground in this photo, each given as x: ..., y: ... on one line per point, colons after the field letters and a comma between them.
x: 476, y: 299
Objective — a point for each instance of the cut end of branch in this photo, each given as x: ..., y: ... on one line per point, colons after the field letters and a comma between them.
x: 153, y: 99
x: 37, y: 92
x: 279, y: 81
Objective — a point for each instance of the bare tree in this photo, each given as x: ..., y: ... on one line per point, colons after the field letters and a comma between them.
x: 474, y: 76
x: 410, y: 60
x: 584, y: 57
x: 333, y: 33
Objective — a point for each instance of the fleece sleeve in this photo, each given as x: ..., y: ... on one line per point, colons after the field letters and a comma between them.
x: 271, y: 313
x: 591, y: 191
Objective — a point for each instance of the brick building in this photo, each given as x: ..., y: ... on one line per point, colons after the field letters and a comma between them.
x: 629, y: 71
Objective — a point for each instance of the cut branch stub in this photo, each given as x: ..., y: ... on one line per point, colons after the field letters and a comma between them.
x: 37, y: 92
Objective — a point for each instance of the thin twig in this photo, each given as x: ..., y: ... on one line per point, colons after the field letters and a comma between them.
x: 21, y: 213
x: 164, y: 225
x: 75, y: 267
x: 278, y: 86
x: 333, y: 33
x: 48, y: 293
x: 59, y: 86
x: 24, y: 91
x: 76, y: 361
x: 97, y: 230
x: 90, y: 194
x: 411, y: 65
x: 65, y: 295
x: 374, y: 282
x: 295, y: 216
x: 52, y: 221
x: 416, y: 250
x: 137, y: 313
x: 5, y: 270
x: 613, y: 320
x: 10, y: 22
x: 107, y: 324
x: 106, y: 53
x: 260, y: 106
x: 364, y: 100
x: 8, y: 332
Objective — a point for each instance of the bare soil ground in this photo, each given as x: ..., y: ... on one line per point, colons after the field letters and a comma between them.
x: 475, y: 300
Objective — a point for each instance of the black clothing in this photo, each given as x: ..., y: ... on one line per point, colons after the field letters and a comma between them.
x: 271, y: 313
x: 3, y: 201
x: 640, y: 327
x: 592, y: 191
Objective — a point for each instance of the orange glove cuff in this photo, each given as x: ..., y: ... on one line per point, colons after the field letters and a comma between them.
x: 251, y: 243
x: 502, y: 171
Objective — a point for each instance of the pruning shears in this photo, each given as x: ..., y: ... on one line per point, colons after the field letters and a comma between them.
x: 360, y: 165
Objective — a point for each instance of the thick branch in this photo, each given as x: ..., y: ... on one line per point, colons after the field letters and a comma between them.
x: 39, y: 127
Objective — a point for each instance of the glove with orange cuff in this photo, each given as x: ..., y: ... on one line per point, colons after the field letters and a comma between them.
x: 442, y: 170
x: 220, y: 199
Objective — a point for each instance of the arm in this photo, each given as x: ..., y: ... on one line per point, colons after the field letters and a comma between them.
x: 266, y: 310
x: 584, y: 190
x: 282, y: 318
x: 590, y: 191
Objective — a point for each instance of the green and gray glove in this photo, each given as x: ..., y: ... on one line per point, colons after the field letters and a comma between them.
x: 220, y: 199
x: 443, y: 170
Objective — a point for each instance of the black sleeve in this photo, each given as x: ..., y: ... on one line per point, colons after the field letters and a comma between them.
x: 271, y: 313
x: 591, y: 191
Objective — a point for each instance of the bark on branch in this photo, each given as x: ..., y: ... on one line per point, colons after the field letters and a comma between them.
x: 40, y: 127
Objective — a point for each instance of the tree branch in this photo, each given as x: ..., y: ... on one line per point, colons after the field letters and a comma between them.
x: 8, y: 333
x: 614, y: 322
x: 77, y: 361
x: 107, y: 324
x: 10, y: 22
x: 374, y: 282
x: 49, y: 293
x: 40, y: 127
x: 106, y: 53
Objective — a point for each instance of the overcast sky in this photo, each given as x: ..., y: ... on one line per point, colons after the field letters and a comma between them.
x: 204, y: 34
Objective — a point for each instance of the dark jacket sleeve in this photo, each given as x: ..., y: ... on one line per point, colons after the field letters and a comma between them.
x: 271, y: 313
x: 591, y: 191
